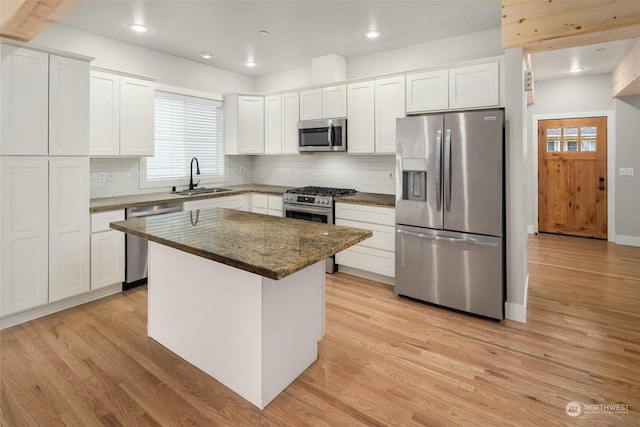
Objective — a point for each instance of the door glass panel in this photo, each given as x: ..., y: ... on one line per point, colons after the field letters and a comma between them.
x: 570, y: 133
x: 554, y: 132
x: 588, y: 132
x: 588, y: 145
x: 571, y: 145
x: 553, y: 146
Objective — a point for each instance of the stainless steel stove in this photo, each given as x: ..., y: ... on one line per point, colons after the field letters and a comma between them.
x: 314, y: 204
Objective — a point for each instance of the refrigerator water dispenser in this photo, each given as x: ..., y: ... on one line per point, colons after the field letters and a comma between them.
x: 414, y: 179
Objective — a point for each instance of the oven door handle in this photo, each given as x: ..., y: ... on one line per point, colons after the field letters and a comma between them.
x: 298, y: 208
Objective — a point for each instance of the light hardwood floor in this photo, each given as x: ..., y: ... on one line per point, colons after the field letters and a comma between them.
x: 384, y: 360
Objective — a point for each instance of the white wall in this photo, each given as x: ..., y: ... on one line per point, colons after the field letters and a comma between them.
x: 364, y: 173
x: 627, y: 188
x: 424, y: 55
x: 571, y: 96
x: 168, y: 69
x: 516, y: 186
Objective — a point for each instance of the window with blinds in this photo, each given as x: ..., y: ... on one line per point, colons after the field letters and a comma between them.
x: 186, y: 127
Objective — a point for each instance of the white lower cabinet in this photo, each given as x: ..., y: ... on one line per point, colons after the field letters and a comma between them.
x: 376, y: 254
x: 107, y: 250
x: 266, y: 204
x: 239, y: 202
x: 44, y: 230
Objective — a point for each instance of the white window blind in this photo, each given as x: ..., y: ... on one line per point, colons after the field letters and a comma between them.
x: 186, y: 127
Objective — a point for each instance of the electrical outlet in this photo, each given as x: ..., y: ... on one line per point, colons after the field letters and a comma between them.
x: 109, y: 176
x: 102, y: 177
x: 135, y: 175
x: 241, y: 170
x: 627, y: 172
x: 390, y: 175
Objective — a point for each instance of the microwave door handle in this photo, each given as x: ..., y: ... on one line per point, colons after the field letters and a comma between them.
x: 330, y: 135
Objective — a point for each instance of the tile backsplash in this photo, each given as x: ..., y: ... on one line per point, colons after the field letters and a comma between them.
x: 122, y: 175
x: 364, y: 173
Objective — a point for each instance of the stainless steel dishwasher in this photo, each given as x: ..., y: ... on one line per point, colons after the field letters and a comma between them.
x: 136, y: 267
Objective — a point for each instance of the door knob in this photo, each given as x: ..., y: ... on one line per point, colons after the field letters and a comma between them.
x: 601, y: 179
x: 601, y: 187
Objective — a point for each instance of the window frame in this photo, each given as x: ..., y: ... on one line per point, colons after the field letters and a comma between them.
x: 180, y: 182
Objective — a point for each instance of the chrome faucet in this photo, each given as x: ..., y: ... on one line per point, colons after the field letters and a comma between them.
x: 191, y: 184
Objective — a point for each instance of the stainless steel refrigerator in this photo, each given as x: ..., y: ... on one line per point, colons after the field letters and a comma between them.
x: 450, y: 210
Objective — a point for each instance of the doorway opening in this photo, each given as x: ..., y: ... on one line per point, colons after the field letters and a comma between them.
x: 572, y: 176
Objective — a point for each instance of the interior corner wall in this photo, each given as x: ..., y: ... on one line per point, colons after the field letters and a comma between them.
x: 627, y: 188
x: 117, y: 55
x: 515, y: 186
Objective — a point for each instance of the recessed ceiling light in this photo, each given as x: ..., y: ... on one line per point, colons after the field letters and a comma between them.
x: 600, y: 49
x: 250, y: 64
x: 264, y: 33
x: 575, y: 69
x: 373, y: 34
x: 138, y: 28
x: 206, y: 55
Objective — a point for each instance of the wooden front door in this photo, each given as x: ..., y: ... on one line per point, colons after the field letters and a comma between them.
x: 572, y: 173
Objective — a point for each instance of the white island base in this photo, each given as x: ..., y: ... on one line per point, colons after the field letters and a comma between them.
x: 253, y: 334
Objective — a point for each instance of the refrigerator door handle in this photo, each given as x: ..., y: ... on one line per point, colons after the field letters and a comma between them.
x: 447, y: 169
x: 473, y: 242
x: 438, y: 171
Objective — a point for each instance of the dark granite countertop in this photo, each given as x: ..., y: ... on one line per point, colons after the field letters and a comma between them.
x: 372, y: 199
x: 122, y: 202
x: 270, y: 246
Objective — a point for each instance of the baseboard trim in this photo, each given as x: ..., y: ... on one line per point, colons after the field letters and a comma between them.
x: 518, y: 312
x: 627, y: 240
x: 367, y: 275
x: 45, y: 310
x: 531, y: 229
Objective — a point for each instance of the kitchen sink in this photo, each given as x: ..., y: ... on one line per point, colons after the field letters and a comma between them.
x: 203, y: 190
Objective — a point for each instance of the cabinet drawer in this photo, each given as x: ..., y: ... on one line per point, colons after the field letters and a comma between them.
x: 383, y: 235
x: 275, y: 203
x: 259, y: 201
x: 100, y: 221
x: 368, y: 259
x: 364, y: 213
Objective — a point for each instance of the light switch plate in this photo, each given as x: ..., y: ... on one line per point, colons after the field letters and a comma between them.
x: 626, y: 171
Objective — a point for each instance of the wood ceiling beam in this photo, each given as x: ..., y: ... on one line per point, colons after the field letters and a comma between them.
x: 540, y: 26
x: 625, y: 79
x: 24, y: 19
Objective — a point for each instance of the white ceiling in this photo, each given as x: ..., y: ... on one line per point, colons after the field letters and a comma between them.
x: 595, y: 59
x: 303, y: 29
x: 298, y: 30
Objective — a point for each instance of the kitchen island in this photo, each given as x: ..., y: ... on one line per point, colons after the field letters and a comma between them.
x: 239, y: 295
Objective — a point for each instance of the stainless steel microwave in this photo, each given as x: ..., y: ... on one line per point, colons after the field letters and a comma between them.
x: 322, y: 135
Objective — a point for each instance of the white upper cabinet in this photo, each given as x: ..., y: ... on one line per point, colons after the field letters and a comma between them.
x: 373, y: 109
x: 24, y: 212
x: 69, y: 227
x: 323, y: 103
x: 428, y: 91
x: 334, y: 102
x: 290, y: 118
x: 281, y: 115
x: 311, y: 104
x: 121, y: 115
x: 104, y: 114
x: 24, y: 96
x: 389, y: 105
x: 136, y: 117
x: 273, y: 124
x: 361, y: 117
x: 244, y: 124
x: 474, y: 86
